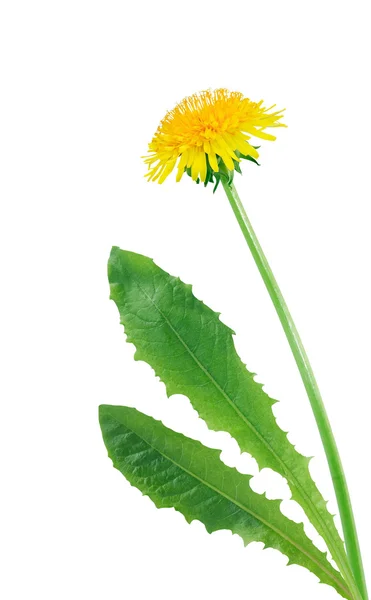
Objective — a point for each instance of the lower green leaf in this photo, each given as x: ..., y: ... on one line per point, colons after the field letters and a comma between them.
x: 176, y: 471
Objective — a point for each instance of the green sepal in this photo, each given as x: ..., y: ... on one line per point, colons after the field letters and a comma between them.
x: 247, y: 156
x: 237, y: 166
x: 251, y: 158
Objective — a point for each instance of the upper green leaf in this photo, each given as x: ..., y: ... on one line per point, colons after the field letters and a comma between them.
x: 175, y: 471
x: 193, y: 353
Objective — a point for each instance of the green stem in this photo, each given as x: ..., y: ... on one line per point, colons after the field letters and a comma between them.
x: 311, y: 386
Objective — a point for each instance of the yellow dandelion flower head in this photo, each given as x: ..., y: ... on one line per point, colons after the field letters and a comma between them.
x: 208, y: 132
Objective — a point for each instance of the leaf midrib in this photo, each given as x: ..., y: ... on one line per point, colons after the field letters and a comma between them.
x: 220, y: 389
x: 245, y: 509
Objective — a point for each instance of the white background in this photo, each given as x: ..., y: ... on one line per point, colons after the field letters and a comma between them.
x: 84, y: 85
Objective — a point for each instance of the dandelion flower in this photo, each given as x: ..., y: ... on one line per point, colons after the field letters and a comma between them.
x: 207, y: 131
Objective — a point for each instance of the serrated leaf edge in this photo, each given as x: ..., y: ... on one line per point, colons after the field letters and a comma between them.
x: 277, y: 503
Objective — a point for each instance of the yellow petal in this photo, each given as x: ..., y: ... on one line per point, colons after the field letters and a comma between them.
x: 197, y: 163
x: 222, y: 151
x: 159, y: 172
x: 191, y: 154
x: 251, y: 151
x: 228, y: 162
x: 203, y: 166
x: 179, y: 175
x: 181, y: 165
x: 211, y: 156
x: 183, y: 160
x: 258, y: 132
x: 167, y: 170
